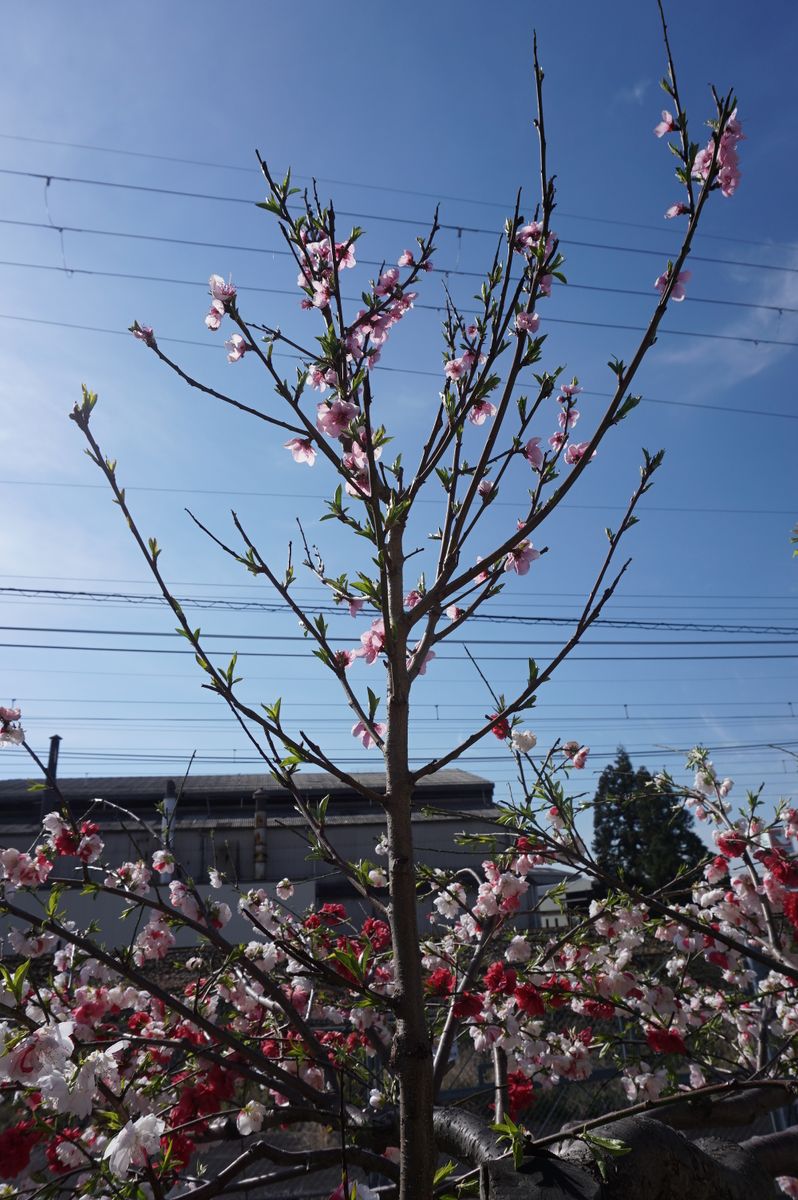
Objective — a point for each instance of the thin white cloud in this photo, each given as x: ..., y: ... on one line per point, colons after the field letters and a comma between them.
x: 737, y: 361
x: 633, y: 93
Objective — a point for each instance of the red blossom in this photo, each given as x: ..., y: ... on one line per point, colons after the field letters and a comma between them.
x: 468, y: 1004
x: 56, y: 1165
x: 500, y: 727
x: 601, y: 1009
x: 377, y: 932
x: 556, y: 986
x: 529, y: 1000
x: 665, y: 1041
x: 781, y: 868
x: 731, y: 845
x: 16, y: 1144
x: 181, y: 1149
x: 500, y: 979
x: 520, y: 1093
x: 440, y: 982
x: 332, y: 914
x: 791, y: 909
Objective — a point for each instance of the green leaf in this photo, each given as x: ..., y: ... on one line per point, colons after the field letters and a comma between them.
x: 609, y: 1144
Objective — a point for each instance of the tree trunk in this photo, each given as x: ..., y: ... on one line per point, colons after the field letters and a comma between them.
x: 411, y: 1053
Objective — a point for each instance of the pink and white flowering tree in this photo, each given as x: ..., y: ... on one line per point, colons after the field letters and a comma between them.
x: 118, y: 1081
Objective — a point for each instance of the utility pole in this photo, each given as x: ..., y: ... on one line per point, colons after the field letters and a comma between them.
x: 50, y: 795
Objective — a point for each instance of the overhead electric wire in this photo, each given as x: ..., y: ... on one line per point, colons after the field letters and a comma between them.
x: 257, y: 606
x: 254, y: 169
x: 439, y: 308
x: 468, y: 641
x: 578, y: 595
x: 460, y: 228
x: 575, y: 657
x: 435, y: 374
x: 194, y: 491
x: 212, y: 702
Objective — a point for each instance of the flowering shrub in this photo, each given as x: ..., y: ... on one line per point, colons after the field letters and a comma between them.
x: 117, y: 1083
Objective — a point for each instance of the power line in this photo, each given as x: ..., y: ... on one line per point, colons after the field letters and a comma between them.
x: 258, y: 606
x: 460, y: 228
x: 346, y: 641
x: 615, y: 658
x: 402, y: 370
x: 193, y: 162
x: 88, y: 720
x: 578, y: 595
x: 439, y: 308
x: 723, y: 337
x: 305, y: 706
x: 194, y: 491
x: 598, y: 752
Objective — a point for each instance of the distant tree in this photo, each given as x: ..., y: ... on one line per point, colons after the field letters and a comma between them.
x: 639, y: 833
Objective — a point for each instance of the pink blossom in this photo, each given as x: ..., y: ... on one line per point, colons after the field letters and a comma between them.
x: 678, y: 293
x: 677, y: 210
x: 345, y: 255
x: 412, y: 599
x: 527, y: 322
x: 569, y: 390
x: 479, y: 412
x: 566, y: 420
x: 666, y: 125
x: 321, y: 294
x: 544, y: 284
x: 387, y: 282
x: 359, y: 485
x: 521, y: 557
x: 214, y: 317
x: 11, y: 734
x: 422, y: 670
x: 302, y: 450
x: 320, y: 379
x: 236, y: 348
x: 577, y: 754
x: 154, y: 941
x: 406, y: 259
x: 373, y: 641
x: 163, y: 862
x: 365, y: 736
x: 334, y: 418
x: 343, y: 659
x: 184, y: 901
x: 580, y: 758
x: 558, y: 440
x: 533, y: 453
x: 453, y: 368
x: 221, y: 292
x: 355, y: 606
x: 144, y: 333
x: 726, y: 161
x: 483, y: 575
x: 527, y: 235
x: 453, y: 612
x: 576, y: 452
x: 20, y: 870
x: 485, y: 488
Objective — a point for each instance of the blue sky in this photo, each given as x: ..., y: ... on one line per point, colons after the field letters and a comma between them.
x: 391, y: 107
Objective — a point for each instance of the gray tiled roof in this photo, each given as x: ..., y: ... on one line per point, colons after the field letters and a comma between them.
x: 216, y: 794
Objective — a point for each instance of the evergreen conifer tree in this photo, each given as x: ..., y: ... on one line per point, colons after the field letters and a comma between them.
x: 638, y: 832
